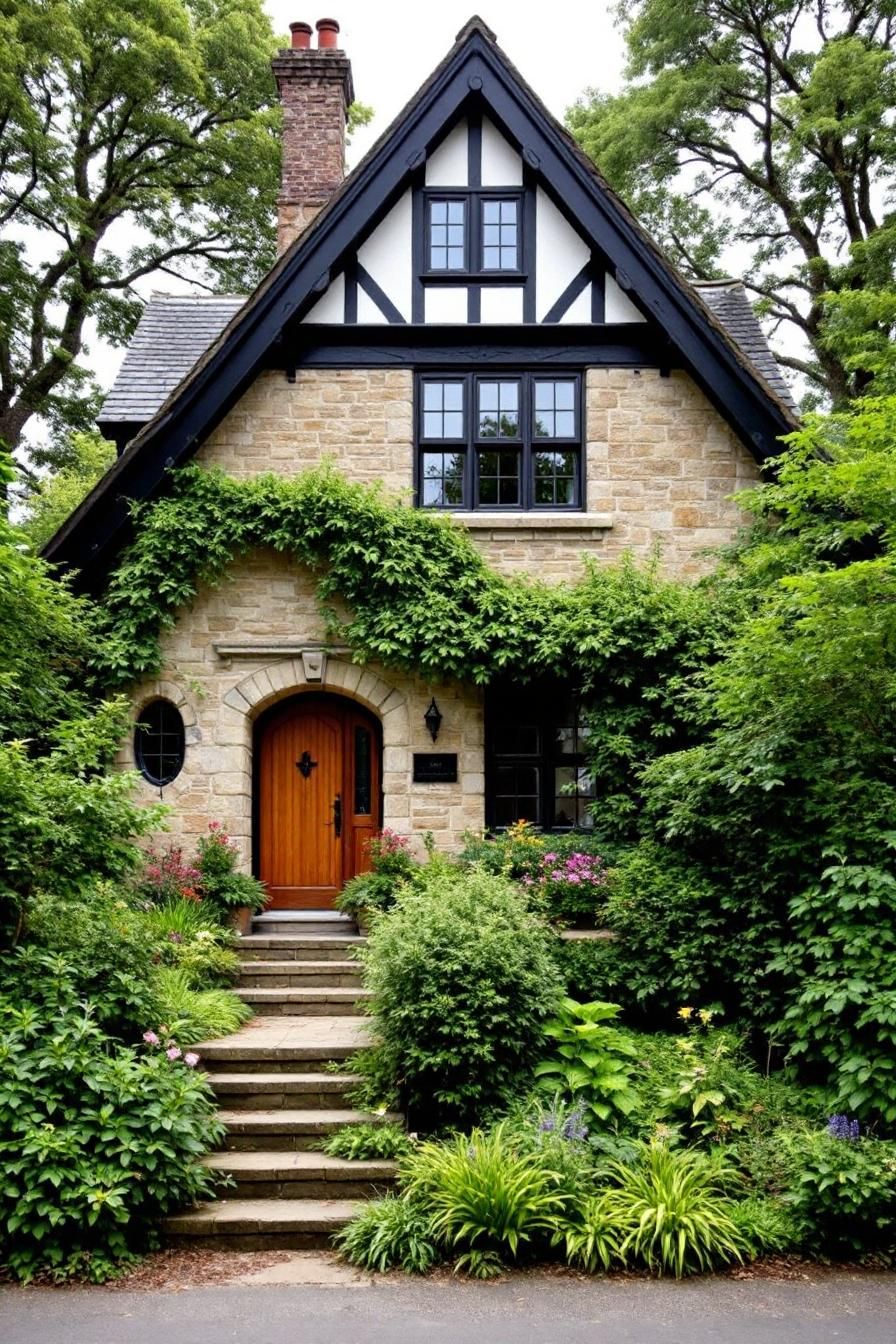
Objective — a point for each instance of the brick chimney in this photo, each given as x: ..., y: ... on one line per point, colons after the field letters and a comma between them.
x: 315, y: 87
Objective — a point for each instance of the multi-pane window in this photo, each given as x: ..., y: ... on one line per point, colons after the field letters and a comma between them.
x: 536, y: 743
x: 473, y: 233
x: 500, y: 235
x: 515, y: 442
x: 160, y: 742
x: 447, y: 235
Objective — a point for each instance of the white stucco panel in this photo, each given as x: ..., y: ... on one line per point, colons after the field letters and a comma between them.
x: 501, y: 164
x: 387, y: 258
x: 580, y: 308
x: 446, y: 303
x: 619, y: 307
x: 330, y: 307
x: 447, y: 165
x: 559, y: 254
x: 501, y: 303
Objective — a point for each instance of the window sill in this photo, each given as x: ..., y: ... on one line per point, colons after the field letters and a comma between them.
x: 482, y: 521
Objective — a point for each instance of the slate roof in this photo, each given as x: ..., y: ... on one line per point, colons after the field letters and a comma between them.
x: 727, y: 300
x: 174, y: 331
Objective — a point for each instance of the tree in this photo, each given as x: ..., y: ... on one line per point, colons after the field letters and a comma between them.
x: 56, y: 496
x: 765, y: 123
x: 137, y: 138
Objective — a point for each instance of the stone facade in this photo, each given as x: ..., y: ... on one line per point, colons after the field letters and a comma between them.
x: 267, y: 599
x: 661, y: 463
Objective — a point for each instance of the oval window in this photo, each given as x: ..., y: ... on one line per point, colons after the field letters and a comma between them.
x: 159, y: 742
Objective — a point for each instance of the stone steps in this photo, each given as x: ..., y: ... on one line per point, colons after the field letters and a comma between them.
x: 321, y: 1002
x: 286, y: 1130
x: 294, y: 947
x: 281, y: 974
x: 304, y: 1174
x: 261, y: 1224
x: 266, y: 1091
x: 280, y: 1096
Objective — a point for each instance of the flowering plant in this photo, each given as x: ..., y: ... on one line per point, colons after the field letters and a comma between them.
x: 167, y: 876
x: 219, y: 882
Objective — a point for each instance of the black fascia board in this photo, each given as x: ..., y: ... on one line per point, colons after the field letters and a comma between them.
x: 475, y: 69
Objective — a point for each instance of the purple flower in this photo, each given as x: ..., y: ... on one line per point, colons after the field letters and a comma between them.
x: 175, y: 938
x: 173, y: 1052
x: 191, y: 1059
x: 150, y: 1038
x: 841, y: 1127
x: 573, y: 1128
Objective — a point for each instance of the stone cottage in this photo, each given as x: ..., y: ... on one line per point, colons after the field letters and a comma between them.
x: 474, y: 318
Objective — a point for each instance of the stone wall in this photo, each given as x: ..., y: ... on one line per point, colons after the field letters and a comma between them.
x: 661, y: 463
x: 268, y: 599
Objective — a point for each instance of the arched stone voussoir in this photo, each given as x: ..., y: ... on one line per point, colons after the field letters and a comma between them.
x: 277, y: 681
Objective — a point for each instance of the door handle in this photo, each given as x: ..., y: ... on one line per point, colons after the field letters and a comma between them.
x: 337, y: 816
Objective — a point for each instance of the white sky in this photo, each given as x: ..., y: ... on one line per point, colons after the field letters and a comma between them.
x: 394, y: 45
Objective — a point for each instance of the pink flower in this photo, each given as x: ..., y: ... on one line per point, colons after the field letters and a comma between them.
x: 173, y: 1052
x: 150, y: 1038
x: 191, y: 1059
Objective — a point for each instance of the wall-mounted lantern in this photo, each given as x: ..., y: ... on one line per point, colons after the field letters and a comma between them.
x: 433, y: 719
x: 314, y: 664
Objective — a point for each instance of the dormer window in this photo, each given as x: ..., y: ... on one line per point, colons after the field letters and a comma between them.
x: 475, y: 234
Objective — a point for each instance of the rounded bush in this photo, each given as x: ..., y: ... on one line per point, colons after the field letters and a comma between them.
x: 464, y: 980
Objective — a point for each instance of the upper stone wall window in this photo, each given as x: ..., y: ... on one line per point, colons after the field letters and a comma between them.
x: 507, y: 442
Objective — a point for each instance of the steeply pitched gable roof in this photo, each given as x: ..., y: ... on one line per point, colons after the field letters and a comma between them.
x: 475, y: 68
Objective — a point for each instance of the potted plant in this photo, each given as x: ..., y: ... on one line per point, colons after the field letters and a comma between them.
x: 368, y: 894
x: 236, y: 896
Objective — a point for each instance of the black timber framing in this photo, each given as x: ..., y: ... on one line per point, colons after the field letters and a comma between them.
x: 476, y: 72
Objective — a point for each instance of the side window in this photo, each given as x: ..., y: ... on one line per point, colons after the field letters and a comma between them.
x: 536, y: 760
x: 443, y: 443
x: 159, y: 742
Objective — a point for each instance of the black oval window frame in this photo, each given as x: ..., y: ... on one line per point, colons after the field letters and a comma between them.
x: 159, y: 731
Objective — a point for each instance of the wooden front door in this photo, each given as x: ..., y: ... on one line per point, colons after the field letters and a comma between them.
x: 318, y: 798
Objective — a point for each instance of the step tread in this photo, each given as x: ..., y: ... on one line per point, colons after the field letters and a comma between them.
x: 289, y: 1121
x: 283, y: 1082
x: 301, y: 967
x: 301, y: 940
x: 276, y: 1166
x: 303, y: 994
x: 264, y: 1215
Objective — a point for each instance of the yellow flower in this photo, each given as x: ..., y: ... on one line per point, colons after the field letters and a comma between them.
x: 685, y: 1014
x: 706, y: 1015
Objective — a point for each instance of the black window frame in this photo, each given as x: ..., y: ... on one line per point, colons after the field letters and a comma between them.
x: 547, y: 708
x: 474, y: 198
x: 472, y: 444
x: 142, y: 731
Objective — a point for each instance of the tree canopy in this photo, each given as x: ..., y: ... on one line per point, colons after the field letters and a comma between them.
x: 759, y: 134
x: 137, y: 138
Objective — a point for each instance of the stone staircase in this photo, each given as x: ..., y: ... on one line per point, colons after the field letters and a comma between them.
x: 278, y: 1100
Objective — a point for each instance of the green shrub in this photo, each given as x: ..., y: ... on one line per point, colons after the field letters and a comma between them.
x: 767, y: 1226
x: 390, y: 1233
x: 589, y: 968
x: 840, y: 1192
x: 488, y: 1200
x: 591, y: 1062
x: 96, y: 1143
x: 195, y: 1014
x: 672, y: 1212
x: 221, y: 887
x: 553, y: 1132
x: 463, y: 981
x: 188, y: 936
x: 368, y: 1143
x: 591, y: 1237
x: 98, y: 945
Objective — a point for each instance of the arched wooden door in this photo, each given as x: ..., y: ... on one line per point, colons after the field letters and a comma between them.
x: 317, y: 798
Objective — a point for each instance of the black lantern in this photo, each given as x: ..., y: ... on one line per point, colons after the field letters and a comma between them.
x: 433, y: 719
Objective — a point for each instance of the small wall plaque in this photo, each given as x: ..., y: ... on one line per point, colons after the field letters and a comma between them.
x: 435, y: 767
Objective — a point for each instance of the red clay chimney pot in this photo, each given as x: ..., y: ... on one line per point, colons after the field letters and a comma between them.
x: 327, y: 34
x: 301, y: 36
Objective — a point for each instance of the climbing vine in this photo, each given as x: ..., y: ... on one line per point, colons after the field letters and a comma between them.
x: 410, y: 590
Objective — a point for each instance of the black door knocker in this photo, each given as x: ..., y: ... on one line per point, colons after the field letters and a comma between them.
x: 305, y: 764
